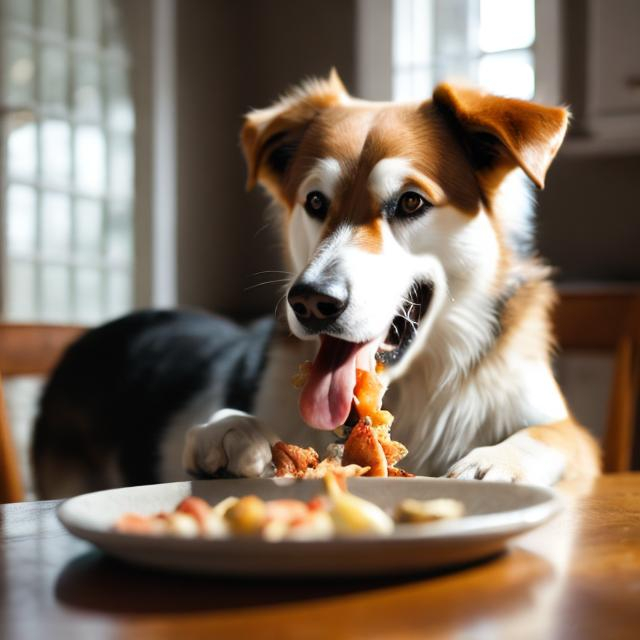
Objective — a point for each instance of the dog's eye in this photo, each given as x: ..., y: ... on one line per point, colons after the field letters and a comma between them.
x: 316, y: 205
x: 411, y: 204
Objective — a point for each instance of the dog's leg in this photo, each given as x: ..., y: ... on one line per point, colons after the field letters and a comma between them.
x: 233, y: 441
x: 536, y: 455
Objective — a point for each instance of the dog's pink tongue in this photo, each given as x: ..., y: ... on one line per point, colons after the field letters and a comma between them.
x: 325, y: 401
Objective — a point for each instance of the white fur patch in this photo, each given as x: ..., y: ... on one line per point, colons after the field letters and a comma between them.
x: 233, y: 440
x: 519, y: 458
x: 304, y: 231
x: 323, y: 177
x: 388, y: 176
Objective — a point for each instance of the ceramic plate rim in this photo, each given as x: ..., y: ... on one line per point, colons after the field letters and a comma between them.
x: 471, y: 524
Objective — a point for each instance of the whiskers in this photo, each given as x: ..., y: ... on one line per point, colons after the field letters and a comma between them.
x: 281, y: 299
x: 278, y: 281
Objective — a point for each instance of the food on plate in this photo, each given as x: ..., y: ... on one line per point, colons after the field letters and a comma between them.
x: 363, y: 447
x: 411, y: 510
x: 353, y: 515
x: 291, y: 461
x: 368, y: 448
x: 336, y: 513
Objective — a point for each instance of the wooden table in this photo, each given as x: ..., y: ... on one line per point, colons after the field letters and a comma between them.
x: 576, y: 577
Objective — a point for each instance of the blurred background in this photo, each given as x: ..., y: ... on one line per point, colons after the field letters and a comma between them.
x: 122, y: 182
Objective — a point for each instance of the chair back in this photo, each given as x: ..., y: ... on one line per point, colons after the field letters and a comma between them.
x: 608, y: 318
x: 25, y: 349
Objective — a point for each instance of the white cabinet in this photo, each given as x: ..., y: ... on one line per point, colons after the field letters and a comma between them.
x: 613, y: 71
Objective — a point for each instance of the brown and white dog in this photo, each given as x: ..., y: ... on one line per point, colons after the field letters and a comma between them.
x: 408, y: 230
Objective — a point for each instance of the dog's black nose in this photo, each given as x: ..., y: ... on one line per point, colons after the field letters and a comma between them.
x: 317, y: 306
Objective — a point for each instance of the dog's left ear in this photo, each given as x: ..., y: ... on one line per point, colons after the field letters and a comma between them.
x: 270, y: 137
x: 501, y: 133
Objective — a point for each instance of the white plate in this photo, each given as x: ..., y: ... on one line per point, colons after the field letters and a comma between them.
x: 495, y: 513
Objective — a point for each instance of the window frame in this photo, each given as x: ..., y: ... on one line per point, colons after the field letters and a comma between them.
x: 374, y: 47
x: 150, y: 33
x: 153, y: 46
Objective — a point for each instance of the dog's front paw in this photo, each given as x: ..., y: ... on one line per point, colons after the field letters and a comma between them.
x: 233, y: 441
x: 520, y: 458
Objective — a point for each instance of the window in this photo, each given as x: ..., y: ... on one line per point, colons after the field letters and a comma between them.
x: 485, y: 42
x: 67, y: 156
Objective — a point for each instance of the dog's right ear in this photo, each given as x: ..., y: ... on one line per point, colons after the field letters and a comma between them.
x: 270, y: 137
x: 501, y: 133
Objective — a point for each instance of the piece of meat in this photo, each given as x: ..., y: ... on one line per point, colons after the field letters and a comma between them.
x: 329, y: 465
x: 293, y: 461
x: 368, y: 394
x: 286, y: 510
x: 197, y: 508
x: 394, y: 451
x: 135, y: 523
x: 362, y: 448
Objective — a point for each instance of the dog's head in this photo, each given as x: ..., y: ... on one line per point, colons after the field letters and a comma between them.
x: 391, y: 213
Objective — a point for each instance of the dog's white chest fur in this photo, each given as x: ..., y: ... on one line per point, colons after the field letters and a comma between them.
x: 439, y: 418
x: 440, y: 424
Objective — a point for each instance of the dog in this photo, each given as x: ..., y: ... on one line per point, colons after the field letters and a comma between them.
x: 408, y: 232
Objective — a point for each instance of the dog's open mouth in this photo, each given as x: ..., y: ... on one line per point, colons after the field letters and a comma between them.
x: 405, y: 325
x: 325, y: 401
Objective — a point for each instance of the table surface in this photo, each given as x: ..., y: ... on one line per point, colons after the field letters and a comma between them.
x: 578, y: 576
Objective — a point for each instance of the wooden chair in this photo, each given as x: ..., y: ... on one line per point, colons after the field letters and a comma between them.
x: 25, y: 349
x: 608, y: 318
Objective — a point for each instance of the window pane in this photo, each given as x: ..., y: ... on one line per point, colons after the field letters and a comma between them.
x: 118, y: 292
x: 121, y: 166
x: 508, y: 74
x: 90, y: 159
x: 402, y: 33
x: 69, y: 158
x: 413, y: 84
x: 20, y: 71
x: 112, y: 26
x: 453, y: 33
x: 56, y: 224
x: 88, y: 295
x: 86, y: 92
x: 422, y: 31
x: 87, y: 19
x: 119, y: 104
x: 402, y: 84
x: 18, y: 11
x: 55, y: 293
x: 21, y: 291
x: 422, y: 84
x: 412, y: 32
x: 88, y: 225
x: 460, y: 70
x: 21, y: 220
x: 506, y: 24
x: 56, y: 152
x: 119, y: 234
x: 53, y: 76
x: 53, y: 14
x: 21, y: 146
